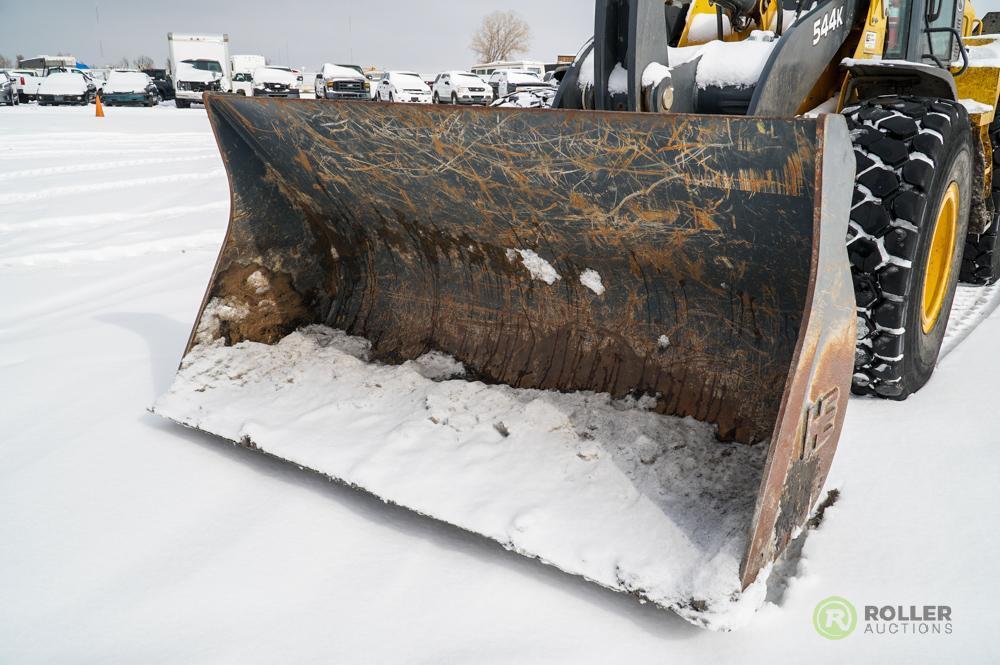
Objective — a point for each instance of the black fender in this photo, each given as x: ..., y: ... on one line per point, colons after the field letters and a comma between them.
x: 570, y: 95
x: 801, y: 56
x: 873, y: 78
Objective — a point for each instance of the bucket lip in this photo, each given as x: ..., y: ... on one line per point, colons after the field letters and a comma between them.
x: 820, y: 372
x: 224, y: 98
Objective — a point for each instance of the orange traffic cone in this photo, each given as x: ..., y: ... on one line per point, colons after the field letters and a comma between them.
x: 100, y: 107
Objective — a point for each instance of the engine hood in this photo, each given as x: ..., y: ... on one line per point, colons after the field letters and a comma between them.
x: 127, y: 84
x: 188, y: 73
x: 63, y: 84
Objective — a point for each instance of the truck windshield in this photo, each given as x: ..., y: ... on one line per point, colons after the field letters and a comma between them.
x: 205, y: 65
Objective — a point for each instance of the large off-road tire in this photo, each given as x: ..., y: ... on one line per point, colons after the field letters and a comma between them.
x: 909, y: 218
x: 981, y: 258
x: 182, y: 103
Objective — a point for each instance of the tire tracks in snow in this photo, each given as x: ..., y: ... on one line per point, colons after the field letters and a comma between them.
x: 973, y: 305
x: 111, y: 185
x: 100, y: 166
x: 112, y: 252
x: 132, y: 148
x: 97, y: 219
x: 94, y: 295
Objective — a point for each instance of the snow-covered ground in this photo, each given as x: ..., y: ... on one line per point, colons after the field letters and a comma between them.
x: 129, y: 539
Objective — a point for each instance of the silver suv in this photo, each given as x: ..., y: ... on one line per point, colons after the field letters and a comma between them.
x: 8, y: 90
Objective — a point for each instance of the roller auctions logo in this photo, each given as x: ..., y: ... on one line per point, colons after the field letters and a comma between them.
x: 835, y: 618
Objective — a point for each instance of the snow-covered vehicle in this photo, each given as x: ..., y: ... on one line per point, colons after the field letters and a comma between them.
x: 71, y: 88
x: 506, y: 82
x: 374, y: 78
x: 273, y: 81
x: 405, y: 87
x: 97, y: 76
x: 342, y: 82
x: 246, y: 63
x: 200, y: 65
x: 27, y: 82
x: 8, y: 90
x: 161, y: 79
x: 88, y: 74
x: 196, y: 77
x: 126, y: 87
x: 243, y: 84
x: 242, y: 67
x: 461, y: 88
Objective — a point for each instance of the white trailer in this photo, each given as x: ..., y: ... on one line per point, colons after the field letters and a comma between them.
x: 243, y: 67
x: 199, y: 64
x: 247, y: 63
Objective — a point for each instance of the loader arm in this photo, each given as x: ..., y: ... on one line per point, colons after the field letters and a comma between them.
x: 632, y: 35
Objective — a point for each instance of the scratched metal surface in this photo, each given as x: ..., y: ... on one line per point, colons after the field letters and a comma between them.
x: 394, y: 223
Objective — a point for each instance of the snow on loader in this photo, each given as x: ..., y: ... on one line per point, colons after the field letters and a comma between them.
x: 660, y: 256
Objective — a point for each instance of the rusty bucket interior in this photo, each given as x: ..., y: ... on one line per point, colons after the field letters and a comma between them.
x: 694, y: 262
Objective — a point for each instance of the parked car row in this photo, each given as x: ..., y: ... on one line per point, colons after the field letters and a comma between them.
x: 457, y: 87
x: 198, y: 75
x: 76, y: 86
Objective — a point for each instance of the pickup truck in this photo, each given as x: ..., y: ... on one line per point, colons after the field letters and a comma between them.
x: 276, y: 81
x: 27, y: 82
x: 342, y: 82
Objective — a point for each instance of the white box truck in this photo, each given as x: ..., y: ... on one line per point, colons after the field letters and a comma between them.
x: 199, y: 64
x: 243, y: 67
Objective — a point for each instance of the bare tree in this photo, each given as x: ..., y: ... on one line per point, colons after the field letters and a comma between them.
x: 4, y: 62
x: 143, y: 62
x: 501, y: 35
x: 19, y: 58
x: 122, y: 64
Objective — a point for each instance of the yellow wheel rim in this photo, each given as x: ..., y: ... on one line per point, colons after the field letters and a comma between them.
x: 939, y: 262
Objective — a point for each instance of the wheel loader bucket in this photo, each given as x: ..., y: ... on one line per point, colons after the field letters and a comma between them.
x: 637, y: 279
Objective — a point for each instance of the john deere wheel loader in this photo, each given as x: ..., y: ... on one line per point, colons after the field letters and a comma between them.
x: 669, y: 240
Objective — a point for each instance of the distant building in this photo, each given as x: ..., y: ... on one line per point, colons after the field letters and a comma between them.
x: 45, y: 62
x: 991, y: 23
x: 561, y: 61
x: 488, y: 68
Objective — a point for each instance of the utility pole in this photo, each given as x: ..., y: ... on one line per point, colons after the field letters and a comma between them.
x: 100, y: 42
